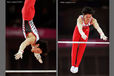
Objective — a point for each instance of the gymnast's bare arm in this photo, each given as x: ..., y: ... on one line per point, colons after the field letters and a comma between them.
x: 79, y: 24
x: 97, y: 27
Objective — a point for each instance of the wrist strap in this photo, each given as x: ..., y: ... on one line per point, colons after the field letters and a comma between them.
x: 101, y: 33
x: 21, y: 51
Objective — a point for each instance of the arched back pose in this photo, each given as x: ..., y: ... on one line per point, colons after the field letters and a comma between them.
x: 30, y: 32
x: 81, y: 33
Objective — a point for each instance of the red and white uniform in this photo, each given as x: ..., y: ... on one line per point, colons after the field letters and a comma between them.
x: 33, y: 29
x: 28, y: 13
x: 78, y: 51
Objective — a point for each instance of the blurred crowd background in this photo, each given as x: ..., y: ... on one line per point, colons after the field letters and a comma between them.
x: 45, y: 13
x: 45, y: 21
x: 95, y: 61
x: 69, y: 11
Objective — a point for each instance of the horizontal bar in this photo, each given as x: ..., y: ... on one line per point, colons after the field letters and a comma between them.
x: 14, y: 1
x: 62, y: 2
x: 30, y: 71
x: 83, y: 42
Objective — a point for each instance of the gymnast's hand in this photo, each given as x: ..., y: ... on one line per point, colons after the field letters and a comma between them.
x: 18, y: 55
x: 84, y: 36
x: 38, y: 57
x: 102, y: 36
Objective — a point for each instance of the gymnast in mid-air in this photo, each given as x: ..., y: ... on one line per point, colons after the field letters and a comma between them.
x: 81, y: 34
x: 30, y: 32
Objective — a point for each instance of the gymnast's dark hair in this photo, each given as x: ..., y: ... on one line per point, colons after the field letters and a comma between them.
x: 43, y: 46
x: 87, y: 10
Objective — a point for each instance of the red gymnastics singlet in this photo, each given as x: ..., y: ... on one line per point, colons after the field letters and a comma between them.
x: 78, y: 51
x: 28, y: 10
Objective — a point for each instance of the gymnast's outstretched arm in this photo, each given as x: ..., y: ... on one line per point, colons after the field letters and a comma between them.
x: 97, y: 27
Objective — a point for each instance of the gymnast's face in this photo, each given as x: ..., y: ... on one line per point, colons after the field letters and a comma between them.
x: 87, y: 17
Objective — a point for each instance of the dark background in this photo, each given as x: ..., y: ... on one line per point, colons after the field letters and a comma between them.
x: 95, y: 61
x: 45, y: 13
x: 45, y: 19
x: 69, y: 12
x: 31, y: 74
